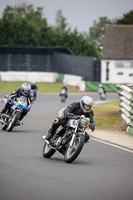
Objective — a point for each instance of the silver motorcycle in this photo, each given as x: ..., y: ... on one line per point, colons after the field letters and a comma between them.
x: 68, y: 140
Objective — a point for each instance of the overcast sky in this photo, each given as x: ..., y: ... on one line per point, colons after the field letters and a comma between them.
x: 79, y: 13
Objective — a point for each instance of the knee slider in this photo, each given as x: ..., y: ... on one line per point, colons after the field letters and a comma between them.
x: 56, y: 120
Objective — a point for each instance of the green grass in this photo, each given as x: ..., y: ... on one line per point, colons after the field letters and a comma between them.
x: 107, y: 115
x: 8, y: 87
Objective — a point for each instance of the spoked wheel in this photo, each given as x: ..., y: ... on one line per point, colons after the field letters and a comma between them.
x: 47, y: 152
x: 13, y: 121
x: 4, y: 127
x: 63, y: 99
x: 73, y: 152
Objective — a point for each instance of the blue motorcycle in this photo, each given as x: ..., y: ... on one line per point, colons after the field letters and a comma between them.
x: 10, y: 119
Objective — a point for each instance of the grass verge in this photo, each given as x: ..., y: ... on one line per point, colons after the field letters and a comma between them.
x: 8, y: 87
x: 107, y: 116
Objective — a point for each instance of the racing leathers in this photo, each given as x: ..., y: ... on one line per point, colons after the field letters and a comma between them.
x: 16, y: 94
x: 34, y: 88
x: 64, y: 91
x: 72, y: 109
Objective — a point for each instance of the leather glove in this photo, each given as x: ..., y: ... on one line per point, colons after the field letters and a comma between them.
x: 28, y: 108
x: 92, y: 126
x: 9, y: 100
x: 69, y: 115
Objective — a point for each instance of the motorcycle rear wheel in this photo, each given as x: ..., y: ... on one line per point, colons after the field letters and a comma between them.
x: 72, y: 152
x: 13, y: 121
x: 47, y: 152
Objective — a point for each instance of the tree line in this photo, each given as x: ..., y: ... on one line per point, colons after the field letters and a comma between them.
x: 25, y: 26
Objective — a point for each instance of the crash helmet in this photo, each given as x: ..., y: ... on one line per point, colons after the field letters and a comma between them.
x: 33, y: 83
x: 100, y: 85
x: 86, y: 103
x: 25, y: 89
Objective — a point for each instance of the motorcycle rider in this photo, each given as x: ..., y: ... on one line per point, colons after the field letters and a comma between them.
x: 102, y: 91
x: 23, y: 91
x: 64, y: 90
x: 84, y: 107
x: 35, y: 88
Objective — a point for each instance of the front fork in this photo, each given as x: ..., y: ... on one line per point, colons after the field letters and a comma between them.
x: 74, y: 135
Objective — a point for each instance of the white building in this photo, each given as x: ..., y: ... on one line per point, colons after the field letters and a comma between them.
x: 117, y: 54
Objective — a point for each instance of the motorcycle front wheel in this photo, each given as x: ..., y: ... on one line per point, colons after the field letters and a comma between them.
x: 4, y: 127
x: 13, y: 121
x: 47, y: 152
x: 72, y: 152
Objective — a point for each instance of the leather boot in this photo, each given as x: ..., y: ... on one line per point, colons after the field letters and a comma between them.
x: 50, y: 134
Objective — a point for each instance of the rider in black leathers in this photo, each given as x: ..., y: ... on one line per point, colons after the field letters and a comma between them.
x: 35, y: 88
x: 23, y: 91
x: 64, y: 89
x: 77, y: 108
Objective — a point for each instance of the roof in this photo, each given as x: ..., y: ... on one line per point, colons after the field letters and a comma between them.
x: 118, y: 42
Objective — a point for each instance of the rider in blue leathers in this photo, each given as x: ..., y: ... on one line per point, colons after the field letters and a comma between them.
x: 23, y: 91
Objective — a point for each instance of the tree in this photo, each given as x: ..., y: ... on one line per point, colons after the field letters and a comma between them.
x: 19, y: 33
x: 23, y: 26
x: 24, y: 11
x: 96, y: 32
x: 61, y: 23
x: 127, y: 18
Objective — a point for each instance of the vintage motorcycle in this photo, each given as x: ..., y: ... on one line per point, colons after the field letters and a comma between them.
x: 33, y: 95
x: 10, y: 119
x: 63, y: 95
x: 68, y: 140
x: 63, y: 98
x: 101, y: 93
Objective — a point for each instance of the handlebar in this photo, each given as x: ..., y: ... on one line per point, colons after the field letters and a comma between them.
x: 73, y: 117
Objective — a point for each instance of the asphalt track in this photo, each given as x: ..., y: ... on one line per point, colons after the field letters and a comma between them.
x: 100, y: 172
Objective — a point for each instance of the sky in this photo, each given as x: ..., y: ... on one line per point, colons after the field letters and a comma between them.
x: 79, y: 14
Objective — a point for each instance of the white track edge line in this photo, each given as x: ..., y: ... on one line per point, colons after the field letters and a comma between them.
x: 113, y: 145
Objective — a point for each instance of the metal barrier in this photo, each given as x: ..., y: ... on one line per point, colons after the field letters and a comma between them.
x: 125, y: 93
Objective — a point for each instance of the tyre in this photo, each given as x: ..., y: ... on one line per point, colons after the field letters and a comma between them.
x: 47, y: 152
x: 72, y: 152
x: 13, y: 121
x: 63, y: 98
x: 4, y: 127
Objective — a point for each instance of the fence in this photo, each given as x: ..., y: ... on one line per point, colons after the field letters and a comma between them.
x: 54, y: 59
x: 125, y: 93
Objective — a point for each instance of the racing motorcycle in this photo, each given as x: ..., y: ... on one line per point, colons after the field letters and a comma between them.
x: 68, y: 140
x: 63, y: 98
x: 102, y: 94
x: 63, y: 95
x: 10, y: 119
x: 33, y: 95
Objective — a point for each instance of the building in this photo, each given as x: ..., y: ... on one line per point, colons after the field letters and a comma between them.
x: 117, y: 54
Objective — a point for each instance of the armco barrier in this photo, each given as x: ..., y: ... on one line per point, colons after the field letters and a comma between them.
x: 125, y: 93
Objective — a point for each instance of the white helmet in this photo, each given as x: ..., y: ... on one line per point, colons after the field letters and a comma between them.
x: 88, y: 101
x: 25, y: 89
x: 100, y: 85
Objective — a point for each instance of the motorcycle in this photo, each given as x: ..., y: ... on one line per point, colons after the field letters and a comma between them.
x: 10, y: 119
x: 68, y: 140
x: 63, y: 98
x: 33, y: 95
x: 63, y: 95
x: 102, y: 94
